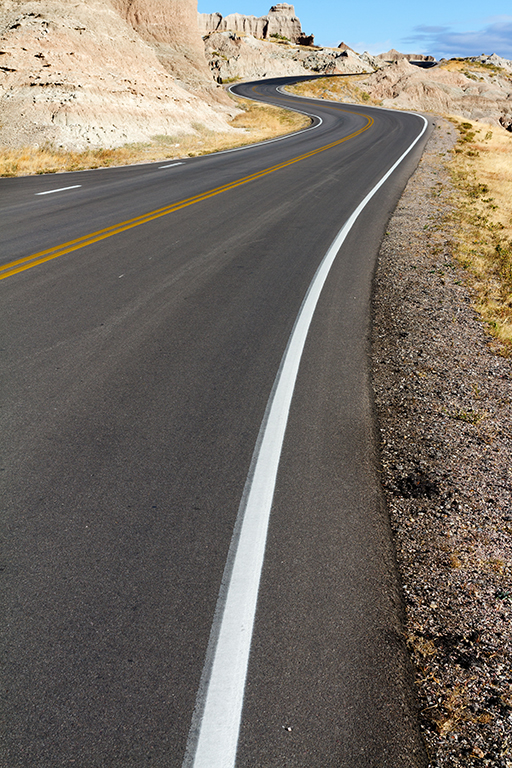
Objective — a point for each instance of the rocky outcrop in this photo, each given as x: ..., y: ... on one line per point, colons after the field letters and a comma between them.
x: 394, y: 55
x: 234, y: 22
x: 494, y: 61
x: 371, y: 62
x: 480, y: 95
x: 170, y: 27
x: 234, y: 56
x: 280, y: 22
x: 91, y: 73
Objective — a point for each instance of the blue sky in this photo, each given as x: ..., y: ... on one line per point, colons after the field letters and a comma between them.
x: 441, y: 28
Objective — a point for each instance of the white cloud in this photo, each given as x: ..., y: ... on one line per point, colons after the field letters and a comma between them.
x: 445, y: 42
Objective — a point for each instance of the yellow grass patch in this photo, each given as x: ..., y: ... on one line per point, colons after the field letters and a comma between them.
x: 473, y: 67
x: 482, y: 172
x: 256, y: 123
x: 347, y: 89
x: 454, y: 709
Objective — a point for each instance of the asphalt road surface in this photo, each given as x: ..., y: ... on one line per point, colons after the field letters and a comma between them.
x: 147, y: 377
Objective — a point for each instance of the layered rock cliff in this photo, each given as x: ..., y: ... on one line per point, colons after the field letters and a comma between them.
x: 90, y: 73
x: 237, y: 56
x: 171, y: 29
x: 280, y: 22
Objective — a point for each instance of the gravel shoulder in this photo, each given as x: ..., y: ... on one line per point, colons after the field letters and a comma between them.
x: 444, y: 406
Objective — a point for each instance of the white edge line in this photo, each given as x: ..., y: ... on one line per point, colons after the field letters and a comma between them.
x: 172, y: 165
x: 279, y: 138
x: 62, y: 189
x: 213, y: 736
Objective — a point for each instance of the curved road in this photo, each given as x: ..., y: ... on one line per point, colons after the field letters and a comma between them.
x: 146, y: 313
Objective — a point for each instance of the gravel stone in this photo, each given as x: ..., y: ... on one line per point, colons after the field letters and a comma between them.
x: 443, y: 398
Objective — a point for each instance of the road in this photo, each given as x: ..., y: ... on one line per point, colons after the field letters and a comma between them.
x: 146, y: 313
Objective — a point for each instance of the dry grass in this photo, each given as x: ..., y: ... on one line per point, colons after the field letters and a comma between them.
x: 482, y: 172
x: 345, y: 89
x: 421, y: 647
x: 256, y: 123
x: 474, y: 68
x: 453, y: 710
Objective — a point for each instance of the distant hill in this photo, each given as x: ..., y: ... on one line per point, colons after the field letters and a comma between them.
x: 479, y: 88
x: 394, y: 55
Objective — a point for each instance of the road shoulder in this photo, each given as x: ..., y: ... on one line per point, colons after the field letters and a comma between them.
x: 443, y: 402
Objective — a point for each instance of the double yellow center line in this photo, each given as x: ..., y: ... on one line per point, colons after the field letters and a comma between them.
x: 20, y: 265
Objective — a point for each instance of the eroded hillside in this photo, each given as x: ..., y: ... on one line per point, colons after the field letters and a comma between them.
x: 90, y: 73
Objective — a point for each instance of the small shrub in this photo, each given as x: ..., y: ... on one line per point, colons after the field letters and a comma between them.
x: 470, y: 417
x: 477, y: 190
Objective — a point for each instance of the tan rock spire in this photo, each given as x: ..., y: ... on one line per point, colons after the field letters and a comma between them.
x: 280, y: 21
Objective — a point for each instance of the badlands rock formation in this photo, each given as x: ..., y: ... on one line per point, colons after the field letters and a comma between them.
x: 232, y: 56
x: 170, y: 27
x: 494, y: 61
x: 344, y: 47
x: 394, y: 55
x: 483, y: 94
x: 280, y: 22
x: 88, y: 73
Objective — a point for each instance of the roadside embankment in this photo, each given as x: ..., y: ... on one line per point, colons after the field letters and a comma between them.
x: 481, y: 180
x: 254, y: 122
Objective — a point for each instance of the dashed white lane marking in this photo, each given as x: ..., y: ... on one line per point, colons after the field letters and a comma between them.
x: 173, y: 165
x: 213, y: 737
x: 62, y: 189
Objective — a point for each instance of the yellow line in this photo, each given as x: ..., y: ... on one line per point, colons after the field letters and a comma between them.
x: 20, y: 265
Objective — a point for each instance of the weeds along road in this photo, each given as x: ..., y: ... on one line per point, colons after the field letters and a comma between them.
x: 168, y: 408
